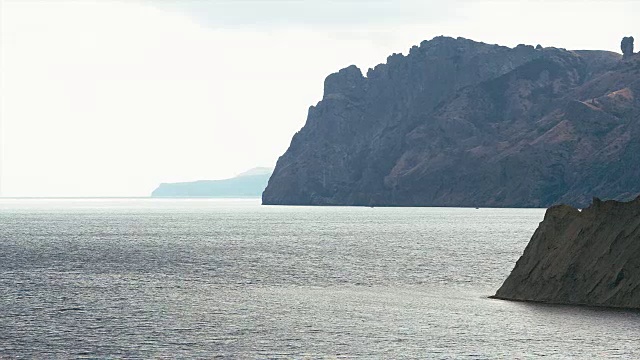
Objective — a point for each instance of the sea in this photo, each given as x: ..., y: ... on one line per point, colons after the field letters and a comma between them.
x: 231, y: 279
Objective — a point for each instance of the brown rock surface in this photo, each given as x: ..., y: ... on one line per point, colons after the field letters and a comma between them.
x: 588, y: 257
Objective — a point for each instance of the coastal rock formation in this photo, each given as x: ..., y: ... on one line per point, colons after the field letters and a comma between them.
x: 588, y: 257
x: 462, y: 123
x: 248, y: 184
x: 627, y: 46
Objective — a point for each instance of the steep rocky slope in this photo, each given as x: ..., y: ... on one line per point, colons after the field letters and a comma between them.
x: 588, y: 257
x: 461, y: 123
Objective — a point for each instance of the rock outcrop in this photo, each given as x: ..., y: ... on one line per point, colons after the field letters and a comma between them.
x: 462, y: 123
x: 588, y: 257
x: 627, y: 46
x: 248, y: 184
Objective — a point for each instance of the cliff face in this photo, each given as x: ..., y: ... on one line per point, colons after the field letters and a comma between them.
x: 461, y: 123
x: 588, y: 257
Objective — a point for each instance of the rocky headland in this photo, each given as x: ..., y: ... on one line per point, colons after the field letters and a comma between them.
x: 462, y: 123
x: 589, y: 257
x: 248, y: 184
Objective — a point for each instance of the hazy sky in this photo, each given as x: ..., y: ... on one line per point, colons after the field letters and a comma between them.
x: 110, y: 98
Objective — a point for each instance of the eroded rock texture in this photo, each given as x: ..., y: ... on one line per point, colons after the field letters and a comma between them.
x: 589, y: 257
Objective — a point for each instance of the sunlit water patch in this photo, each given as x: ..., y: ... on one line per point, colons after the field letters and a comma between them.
x: 204, y: 278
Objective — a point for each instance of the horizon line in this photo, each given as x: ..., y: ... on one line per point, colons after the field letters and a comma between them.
x: 120, y: 197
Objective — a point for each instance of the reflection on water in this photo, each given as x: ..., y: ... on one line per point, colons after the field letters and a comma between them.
x: 200, y: 278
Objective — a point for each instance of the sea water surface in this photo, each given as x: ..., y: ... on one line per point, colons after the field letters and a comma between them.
x: 147, y: 278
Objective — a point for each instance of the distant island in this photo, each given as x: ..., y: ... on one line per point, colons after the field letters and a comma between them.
x: 457, y: 122
x: 589, y: 257
x: 246, y: 185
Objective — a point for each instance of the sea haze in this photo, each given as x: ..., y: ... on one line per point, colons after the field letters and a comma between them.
x: 161, y: 278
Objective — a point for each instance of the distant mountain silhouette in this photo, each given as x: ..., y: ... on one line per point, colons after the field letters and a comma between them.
x: 248, y: 184
x: 462, y: 123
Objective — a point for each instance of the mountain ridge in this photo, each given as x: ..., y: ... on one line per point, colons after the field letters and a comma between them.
x: 250, y: 183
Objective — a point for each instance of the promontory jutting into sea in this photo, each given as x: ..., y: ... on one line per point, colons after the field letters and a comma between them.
x: 434, y: 170
x: 463, y: 123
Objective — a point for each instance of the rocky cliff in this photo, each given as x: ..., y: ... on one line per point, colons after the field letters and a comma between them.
x: 461, y: 123
x: 588, y: 257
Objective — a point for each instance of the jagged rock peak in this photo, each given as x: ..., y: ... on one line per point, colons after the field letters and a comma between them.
x: 350, y: 81
x: 627, y: 46
x: 346, y: 81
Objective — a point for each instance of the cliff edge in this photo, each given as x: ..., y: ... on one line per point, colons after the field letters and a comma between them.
x: 589, y: 257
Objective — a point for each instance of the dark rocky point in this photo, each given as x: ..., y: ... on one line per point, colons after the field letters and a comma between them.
x: 588, y: 257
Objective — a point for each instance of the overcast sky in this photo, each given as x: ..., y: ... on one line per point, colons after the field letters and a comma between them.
x: 111, y: 98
